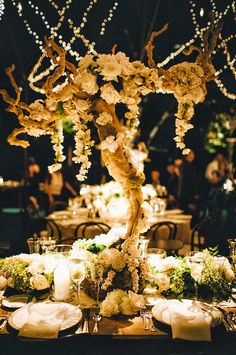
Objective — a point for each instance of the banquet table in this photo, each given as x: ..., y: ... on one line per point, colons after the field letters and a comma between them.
x: 118, y: 336
x: 68, y: 221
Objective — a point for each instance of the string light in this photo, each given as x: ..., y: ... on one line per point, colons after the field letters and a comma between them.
x: 106, y: 20
x: 33, y: 78
x: 2, y: 8
x: 224, y: 90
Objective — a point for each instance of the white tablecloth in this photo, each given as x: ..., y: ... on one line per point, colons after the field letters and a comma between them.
x: 68, y: 222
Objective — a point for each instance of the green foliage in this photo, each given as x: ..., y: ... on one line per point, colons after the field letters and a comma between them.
x: 221, y: 127
x: 96, y: 248
x: 16, y: 271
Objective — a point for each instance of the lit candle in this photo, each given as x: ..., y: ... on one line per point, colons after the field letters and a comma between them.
x: 62, y: 282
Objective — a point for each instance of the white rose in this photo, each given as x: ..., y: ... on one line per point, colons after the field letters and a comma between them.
x: 105, y: 257
x: 109, y: 308
x: 126, y: 307
x: 116, y: 296
x: 87, y: 82
x: 109, y: 94
x: 137, y: 301
x: 36, y: 267
x: 104, y: 118
x: 168, y: 263
x: 163, y: 282
x: 229, y: 274
x: 39, y: 282
x: 3, y: 282
x: 118, y: 262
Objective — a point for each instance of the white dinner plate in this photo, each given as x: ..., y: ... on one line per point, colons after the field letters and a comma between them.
x: 161, y: 310
x: 15, y: 301
x: 74, y: 315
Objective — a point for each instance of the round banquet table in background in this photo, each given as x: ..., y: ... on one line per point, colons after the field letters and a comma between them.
x: 67, y: 222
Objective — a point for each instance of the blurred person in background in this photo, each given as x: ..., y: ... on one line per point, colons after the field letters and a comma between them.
x: 155, y: 178
x: 33, y: 181
x: 57, y: 189
x: 171, y: 183
x: 214, y: 166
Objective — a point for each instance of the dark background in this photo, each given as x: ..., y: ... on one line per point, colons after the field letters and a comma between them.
x: 130, y: 28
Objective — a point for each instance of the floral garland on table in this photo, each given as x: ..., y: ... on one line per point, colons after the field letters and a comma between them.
x: 170, y: 277
x: 31, y: 274
x: 178, y: 277
x: 90, y: 94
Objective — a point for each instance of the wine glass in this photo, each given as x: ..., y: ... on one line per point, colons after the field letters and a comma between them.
x: 197, y: 260
x: 77, y: 272
x: 99, y: 278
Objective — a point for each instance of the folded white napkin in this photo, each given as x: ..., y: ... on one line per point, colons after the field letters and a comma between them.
x: 43, y: 326
x: 189, y: 322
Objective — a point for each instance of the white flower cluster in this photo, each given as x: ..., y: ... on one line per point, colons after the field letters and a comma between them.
x: 187, y: 82
x: 38, y: 268
x: 161, y: 270
x: 119, y: 301
x: 114, y: 234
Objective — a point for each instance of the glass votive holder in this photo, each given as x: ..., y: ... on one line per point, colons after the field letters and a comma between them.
x: 33, y: 245
x: 63, y: 249
x: 155, y: 255
x: 196, y: 256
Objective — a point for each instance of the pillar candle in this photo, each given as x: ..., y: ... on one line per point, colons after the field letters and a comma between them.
x: 62, y: 282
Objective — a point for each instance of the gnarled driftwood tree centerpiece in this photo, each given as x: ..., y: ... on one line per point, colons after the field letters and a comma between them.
x: 89, y: 95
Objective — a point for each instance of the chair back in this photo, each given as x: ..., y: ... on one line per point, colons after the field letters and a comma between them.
x: 171, y: 246
x: 162, y: 230
x: 54, y: 230
x: 198, y: 234
x: 90, y: 229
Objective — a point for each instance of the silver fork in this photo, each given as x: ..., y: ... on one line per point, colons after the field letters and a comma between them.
x: 227, y: 320
x: 146, y: 315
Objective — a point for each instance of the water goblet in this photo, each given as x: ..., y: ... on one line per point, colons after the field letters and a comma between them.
x: 197, y: 260
x: 77, y: 272
x: 99, y: 277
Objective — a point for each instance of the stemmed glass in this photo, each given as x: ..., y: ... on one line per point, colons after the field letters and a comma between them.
x: 77, y: 272
x: 99, y: 278
x: 197, y: 259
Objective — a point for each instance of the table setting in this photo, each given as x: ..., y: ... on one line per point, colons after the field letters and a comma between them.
x: 85, y: 289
